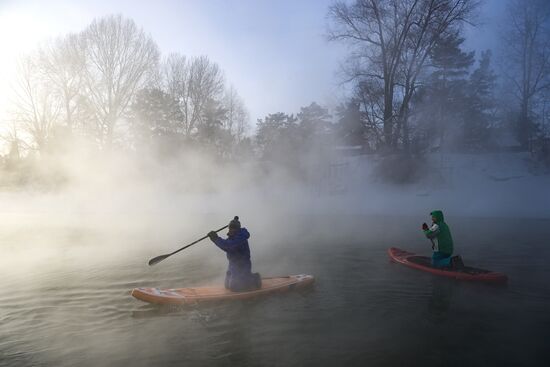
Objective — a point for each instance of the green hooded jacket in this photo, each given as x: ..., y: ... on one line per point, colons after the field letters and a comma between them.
x: 442, y: 233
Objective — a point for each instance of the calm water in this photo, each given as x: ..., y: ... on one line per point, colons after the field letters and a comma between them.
x: 64, y: 299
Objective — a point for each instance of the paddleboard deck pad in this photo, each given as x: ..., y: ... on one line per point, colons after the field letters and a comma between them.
x: 219, y: 293
x: 463, y: 273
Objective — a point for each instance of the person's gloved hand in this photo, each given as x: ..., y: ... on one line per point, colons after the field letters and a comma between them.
x: 212, y: 235
x: 424, y: 227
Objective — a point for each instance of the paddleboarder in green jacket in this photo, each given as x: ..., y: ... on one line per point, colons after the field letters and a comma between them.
x: 440, y: 231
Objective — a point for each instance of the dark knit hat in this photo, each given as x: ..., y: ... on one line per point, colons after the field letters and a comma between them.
x: 235, y: 224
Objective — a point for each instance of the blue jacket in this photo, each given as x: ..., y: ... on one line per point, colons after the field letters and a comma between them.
x: 238, y: 252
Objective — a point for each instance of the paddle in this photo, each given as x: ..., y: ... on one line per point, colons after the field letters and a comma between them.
x: 158, y: 259
x: 425, y: 227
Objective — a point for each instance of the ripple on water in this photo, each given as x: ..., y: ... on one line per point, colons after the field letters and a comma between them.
x: 77, y: 310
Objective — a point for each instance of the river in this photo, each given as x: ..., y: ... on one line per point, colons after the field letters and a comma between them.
x: 65, y: 298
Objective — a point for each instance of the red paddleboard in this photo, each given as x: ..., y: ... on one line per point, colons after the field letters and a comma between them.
x: 219, y: 293
x: 464, y: 273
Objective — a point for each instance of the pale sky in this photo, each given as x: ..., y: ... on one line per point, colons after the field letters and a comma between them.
x: 274, y: 52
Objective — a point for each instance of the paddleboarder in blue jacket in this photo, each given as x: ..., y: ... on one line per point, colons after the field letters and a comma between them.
x: 238, y: 277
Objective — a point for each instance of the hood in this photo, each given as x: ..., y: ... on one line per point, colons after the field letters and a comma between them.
x: 438, y: 215
x: 242, y: 233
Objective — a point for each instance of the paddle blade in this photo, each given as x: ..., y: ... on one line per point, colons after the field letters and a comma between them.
x: 157, y: 259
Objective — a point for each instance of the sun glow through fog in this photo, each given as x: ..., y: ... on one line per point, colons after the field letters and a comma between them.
x: 20, y: 32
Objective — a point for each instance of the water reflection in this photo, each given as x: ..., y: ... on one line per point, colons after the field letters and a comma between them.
x: 441, y: 298
x: 76, y: 309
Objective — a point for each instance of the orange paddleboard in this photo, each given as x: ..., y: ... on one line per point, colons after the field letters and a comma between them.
x: 219, y: 293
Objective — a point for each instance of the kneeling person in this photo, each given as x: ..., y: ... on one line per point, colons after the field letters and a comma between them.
x: 239, y: 277
x: 440, y: 230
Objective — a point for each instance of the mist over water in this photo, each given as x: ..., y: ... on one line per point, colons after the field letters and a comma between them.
x: 65, y: 297
x: 73, y: 254
x: 103, y: 168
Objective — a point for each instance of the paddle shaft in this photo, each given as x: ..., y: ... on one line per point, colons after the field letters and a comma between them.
x: 197, y: 241
x: 433, y: 243
x: 162, y: 257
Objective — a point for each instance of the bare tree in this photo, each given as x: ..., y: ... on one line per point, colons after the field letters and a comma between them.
x: 527, y: 54
x: 192, y: 83
x: 370, y: 94
x: 35, y: 109
x: 119, y: 59
x: 176, y: 79
x: 391, y: 40
x: 10, y: 137
x: 237, y: 119
x: 62, y: 63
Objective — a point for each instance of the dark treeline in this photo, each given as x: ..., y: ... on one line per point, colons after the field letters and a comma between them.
x: 415, y: 89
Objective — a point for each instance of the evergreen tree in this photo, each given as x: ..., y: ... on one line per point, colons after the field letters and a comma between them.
x: 313, y: 120
x: 350, y: 128
x: 154, y: 120
x: 481, y: 104
x: 442, y: 100
x: 278, y: 137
